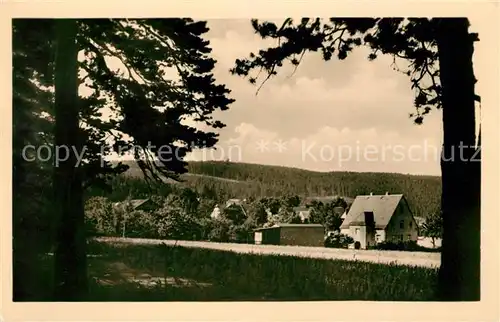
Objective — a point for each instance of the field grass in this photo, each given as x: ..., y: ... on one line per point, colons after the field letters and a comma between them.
x: 128, y: 272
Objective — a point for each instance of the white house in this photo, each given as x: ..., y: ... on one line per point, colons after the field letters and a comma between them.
x: 303, y: 212
x: 231, y: 202
x: 376, y: 218
x: 216, y: 212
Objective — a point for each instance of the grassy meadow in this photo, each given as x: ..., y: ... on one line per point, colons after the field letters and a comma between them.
x: 131, y: 272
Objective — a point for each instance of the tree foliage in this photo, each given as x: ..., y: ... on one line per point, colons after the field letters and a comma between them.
x: 326, y: 215
x: 410, y: 41
x: 166, y: 78
x: 264, y: 181
x: 433, y: 227
x: 100, y: 216
x: 257, y: 213
x: 235, y: 213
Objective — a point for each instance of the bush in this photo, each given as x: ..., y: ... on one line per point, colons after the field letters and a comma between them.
x: 338, y: 241
x: 410, y: 246
x: 140, y: 224
x: 220, y: 230
x: 242, y: 234
x: 175, y: 224
x: 100, y: 217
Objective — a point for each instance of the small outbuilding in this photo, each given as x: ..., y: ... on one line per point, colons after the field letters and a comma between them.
x: 291, y: 234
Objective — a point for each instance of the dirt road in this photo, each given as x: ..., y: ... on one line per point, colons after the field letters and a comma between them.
x: 423, y: 259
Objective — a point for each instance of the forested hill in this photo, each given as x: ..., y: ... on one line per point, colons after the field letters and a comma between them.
x: 242, y: 180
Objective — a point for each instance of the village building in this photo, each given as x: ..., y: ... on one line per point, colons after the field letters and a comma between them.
x: 237, y: 202
x: 216, y: 212
x: 231, y: 202
x: 304, y: 214
x: 291, y: 234
x: 136, y: 204
x: 377, y: 218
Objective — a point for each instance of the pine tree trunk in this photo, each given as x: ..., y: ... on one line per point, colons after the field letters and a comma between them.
x: 22, y: 255
x: 70, y: 274
x: 459, y: 275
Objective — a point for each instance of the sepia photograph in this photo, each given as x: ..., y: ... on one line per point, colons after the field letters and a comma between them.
x: 246, y: 160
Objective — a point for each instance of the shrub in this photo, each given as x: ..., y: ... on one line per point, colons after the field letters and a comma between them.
x: 410, y: 245
x: 338, y: 241
x: 176, y: 224
x: 99, y: 216
x: 242, y: 233
x: 220, y: 230
x: 140, y: 224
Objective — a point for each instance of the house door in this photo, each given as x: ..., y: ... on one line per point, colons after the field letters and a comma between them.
x: 258, y: 237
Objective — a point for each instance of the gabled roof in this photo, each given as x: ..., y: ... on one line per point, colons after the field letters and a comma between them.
x: 231, y: 202
x: 237, y: 202
x: 135, y: 203
x: 382, y: 206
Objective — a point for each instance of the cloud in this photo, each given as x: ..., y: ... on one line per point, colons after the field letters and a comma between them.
x: 355, y: 91
x: 330, y: 149
x: 352, y: 104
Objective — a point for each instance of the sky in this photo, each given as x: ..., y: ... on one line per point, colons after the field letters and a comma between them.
x: 350, y: 115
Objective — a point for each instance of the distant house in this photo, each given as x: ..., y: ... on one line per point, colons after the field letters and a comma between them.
x: 376, y: 218
x: 291, y: 234
x: 303, y: 212
x: 231, y: 202
x: 136, y: 204
x: 237, y: 202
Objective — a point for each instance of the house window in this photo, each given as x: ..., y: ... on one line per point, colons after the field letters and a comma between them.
x: 400, y: 237
x: 356, y: 231
x: 411, y: 224
x: 377, y: 238
x: 409, y: 237
x: 402, y: 224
